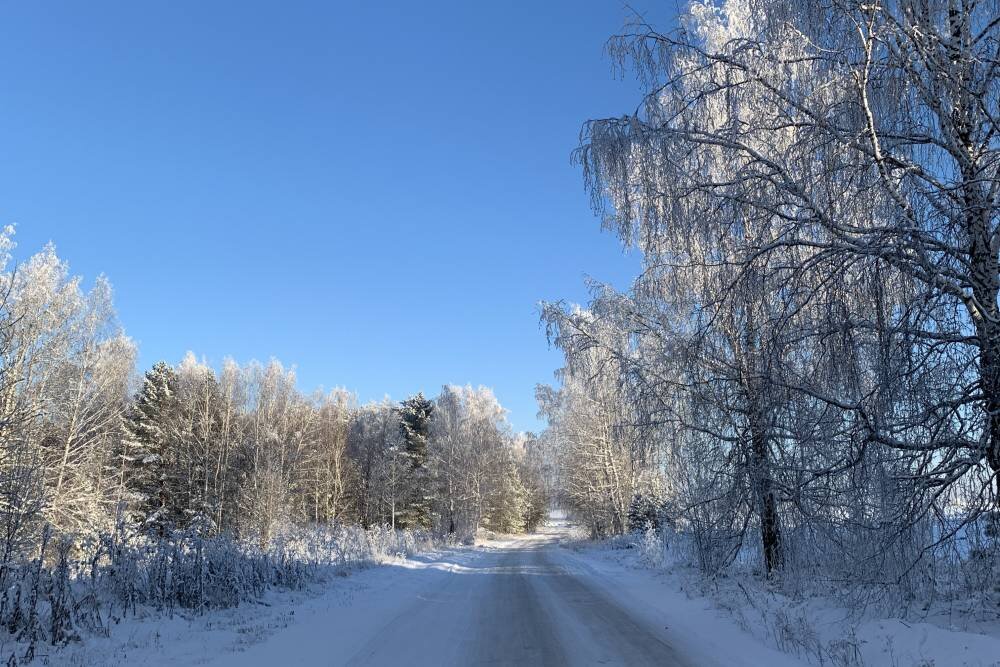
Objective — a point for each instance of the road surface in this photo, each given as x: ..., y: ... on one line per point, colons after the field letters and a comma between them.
x: 510, y: 601
x: 516, y: 603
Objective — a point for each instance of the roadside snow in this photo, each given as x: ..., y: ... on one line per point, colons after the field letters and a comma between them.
x: 442, y: 607
x: 422, y: 610
x: 699, y: 629
x: 816, y: 630
x: 287, y: 627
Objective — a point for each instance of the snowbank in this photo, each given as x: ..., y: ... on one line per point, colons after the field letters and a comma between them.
x: 816, y: 629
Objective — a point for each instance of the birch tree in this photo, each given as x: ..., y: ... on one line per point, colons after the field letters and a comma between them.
x: 862, y: 133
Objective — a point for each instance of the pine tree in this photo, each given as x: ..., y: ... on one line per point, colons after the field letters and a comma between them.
x: 147, y: 451
x: 415, y: 423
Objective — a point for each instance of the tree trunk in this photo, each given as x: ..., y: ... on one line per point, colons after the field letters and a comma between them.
x: 985, y: 312
x: 989, y: 373
x: 767, y: 505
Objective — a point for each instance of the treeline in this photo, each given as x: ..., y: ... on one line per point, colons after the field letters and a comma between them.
x: 806, y: 374
x: 86, y: 440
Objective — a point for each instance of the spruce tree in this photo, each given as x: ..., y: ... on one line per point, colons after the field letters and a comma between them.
x: 147, y: 451
x: 415, y: 424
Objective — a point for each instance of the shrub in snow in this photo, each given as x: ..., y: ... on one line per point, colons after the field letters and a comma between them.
x: 73, y: 590
x: 664, y: 548
x: 652, y: 548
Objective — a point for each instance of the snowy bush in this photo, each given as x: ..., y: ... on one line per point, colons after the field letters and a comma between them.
x: 72, y: 590
x: 653, y: 547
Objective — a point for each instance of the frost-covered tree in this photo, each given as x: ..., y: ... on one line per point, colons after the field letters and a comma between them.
x: 201, y: 444
x: 329, y: 470
x: 83, y: 417
x: 856, y: 135
x: 480, y: 476
x: 68, y: 366
x: 149, y: 450
x: 21, y: 490
x: 414, y: 423
x: 592, y: 420
x: 374, y: 446
x: 810, y: 347
x: 279, y: 421
x: 533, y: 469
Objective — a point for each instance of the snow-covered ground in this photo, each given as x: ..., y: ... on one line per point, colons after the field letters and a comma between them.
x: 538, y: 599
x: 816, y: 630
x: 511, y: 600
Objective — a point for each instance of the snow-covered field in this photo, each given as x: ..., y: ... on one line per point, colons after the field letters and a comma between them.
x: 537, y: 599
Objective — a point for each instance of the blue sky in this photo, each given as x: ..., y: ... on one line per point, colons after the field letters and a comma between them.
x: 376, y: 193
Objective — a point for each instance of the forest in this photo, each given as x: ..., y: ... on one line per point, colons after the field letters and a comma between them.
x: 241, y: 451
x: 148, y: 478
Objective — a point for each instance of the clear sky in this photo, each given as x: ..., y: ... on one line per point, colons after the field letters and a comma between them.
x: 378, y: 193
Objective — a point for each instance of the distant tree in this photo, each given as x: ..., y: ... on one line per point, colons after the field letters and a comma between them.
x: 327, y: 469
x: 532, y: 469
x: 273, y: 452
x: 592, y: 423
x: 147, y: 455
x: 372, y: 439
x: 506, y: 505
x: 201, y: 443
x: 415, y: 423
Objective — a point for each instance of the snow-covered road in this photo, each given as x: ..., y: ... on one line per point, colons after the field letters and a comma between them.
x: 515, y: 601
x: 531, y: 600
